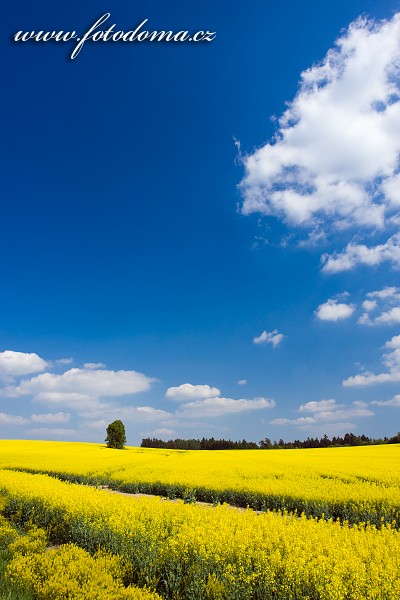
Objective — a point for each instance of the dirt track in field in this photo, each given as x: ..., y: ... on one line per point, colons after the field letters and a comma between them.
x: 165, y: 499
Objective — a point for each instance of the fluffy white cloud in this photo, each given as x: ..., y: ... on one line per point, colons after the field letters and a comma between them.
x: 187, y: 391
x: 12, y: 419
x: 269, y: 337
x: 386, y: 293
x: 318, y: 406
x: 389, y: 317
x: 394, y: 342
x: 334, y: 160
x: 334, y: 311
x: 360, y: 254
x: 369, y: 378
x: 395, y: 402
x: 326, y: 412
x: 80, y: 388
x: 216, y: 407
x: 59, y: 417
x: 390, y: 359
x: 13, y: 364
x: 387, y: 301
x: 92, y: 392
x: 147, y: 413
x: 204, y: 401
x: 369, y: 305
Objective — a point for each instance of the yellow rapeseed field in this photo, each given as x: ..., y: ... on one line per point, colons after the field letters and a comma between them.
x: 66, y: 572
x: 355, y: 484
x: 332, y: 534
x: 195, y: 552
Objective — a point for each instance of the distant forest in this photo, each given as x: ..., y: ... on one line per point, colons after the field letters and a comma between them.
x: 349, y: 439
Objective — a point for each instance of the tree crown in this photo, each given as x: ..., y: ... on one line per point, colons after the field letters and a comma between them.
x: 116, y: 437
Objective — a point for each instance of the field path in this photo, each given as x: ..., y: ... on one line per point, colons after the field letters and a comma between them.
x: 105, y: 488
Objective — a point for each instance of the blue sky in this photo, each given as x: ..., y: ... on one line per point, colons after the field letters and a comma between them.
x: 201, y: 239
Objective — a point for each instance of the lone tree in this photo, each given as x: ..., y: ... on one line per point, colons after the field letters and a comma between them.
x: 116, y: 437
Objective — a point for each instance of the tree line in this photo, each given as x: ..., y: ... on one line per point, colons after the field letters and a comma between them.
x: 194, y: 444
x: 349, y: 439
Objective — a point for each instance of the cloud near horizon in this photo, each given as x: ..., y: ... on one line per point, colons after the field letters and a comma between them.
x: 390, y: 359
x: 326, y: 413
x: 216, y: 407
x: 6, y: 419
x: 206, y: 401
x: 393, y: 402
x: 90, y: 392
x: 187, y: 391
x: 59, y: 417
x: 93, y: 394
x: 79, y: 385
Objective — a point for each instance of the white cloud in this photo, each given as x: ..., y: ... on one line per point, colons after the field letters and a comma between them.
x: 92, y: 393
x: 389, y: 317
x: 187, y: 391
x: 394, y: 402
x: 390, y: 359
x: 388, y: 303
x: 334, y: 311
x: 163, y: 431
x: 204, y: 401
x: 391, y: 188
x: 269, y: 337
x: 326, y: 412
x: 13, y: 364
x: 394, y: 342
x: 387, y: 292
x: 59, y: 417
x: 146, y: 412
x: 365, y: 319
x: 340, y: 412
x: 369, y: 305
x: 334, y: 161
x: 314, y: 238
x: 318, y: 406
x: 360, y: 254
x: 299, y: 421
x: 64, y: 361
x: 369, y: 378
x: 12, y: 419
x: 242, y: 381
x: 80, y: 388
x: 215, y: 407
